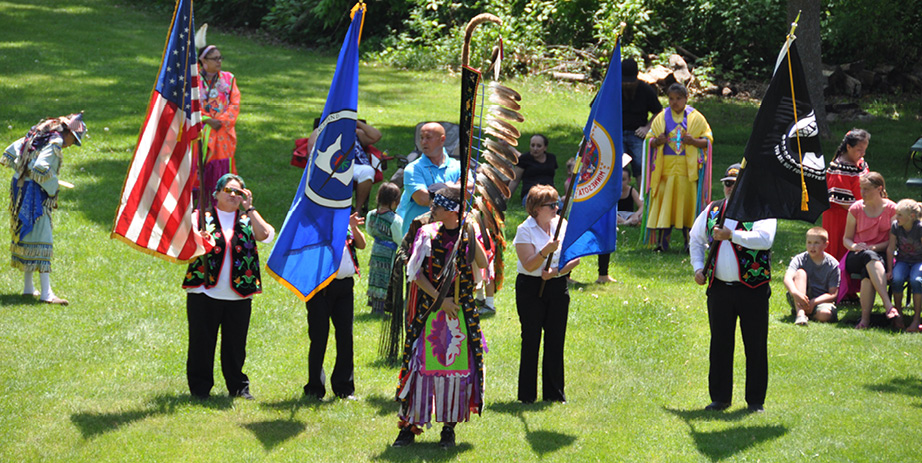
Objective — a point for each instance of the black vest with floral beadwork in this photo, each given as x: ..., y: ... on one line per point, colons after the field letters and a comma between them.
x: 244, y: 276
x: 754, y: 265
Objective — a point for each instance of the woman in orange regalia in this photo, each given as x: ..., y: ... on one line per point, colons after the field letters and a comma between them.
x: 220, y: 108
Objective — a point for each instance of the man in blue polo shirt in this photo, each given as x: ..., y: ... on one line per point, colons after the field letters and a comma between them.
x: 434, y: 167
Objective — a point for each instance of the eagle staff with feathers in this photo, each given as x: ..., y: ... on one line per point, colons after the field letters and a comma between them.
x: 442, y: 370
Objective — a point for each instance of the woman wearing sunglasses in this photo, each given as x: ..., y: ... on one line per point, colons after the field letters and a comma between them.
x: 220, y: 106
x: 534, y: 243
x: 221, y: 296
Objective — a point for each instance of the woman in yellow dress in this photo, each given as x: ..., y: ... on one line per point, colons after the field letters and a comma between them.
x: 678, y: 169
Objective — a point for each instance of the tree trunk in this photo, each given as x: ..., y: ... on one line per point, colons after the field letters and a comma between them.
x: 809, y: 45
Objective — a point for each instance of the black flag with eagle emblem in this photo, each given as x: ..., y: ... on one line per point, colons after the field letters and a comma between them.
x: 784, y: 174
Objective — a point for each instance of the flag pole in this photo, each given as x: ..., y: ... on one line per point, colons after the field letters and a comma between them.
x: 201, y: 196
x: 804, y: 198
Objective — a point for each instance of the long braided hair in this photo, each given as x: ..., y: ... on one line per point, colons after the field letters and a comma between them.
x: 852, y: 138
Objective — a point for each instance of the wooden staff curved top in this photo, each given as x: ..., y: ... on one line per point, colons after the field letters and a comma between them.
x: 469, y: 31
x: 449, y: 271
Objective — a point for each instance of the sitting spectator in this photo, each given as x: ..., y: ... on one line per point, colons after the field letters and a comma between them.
x: 812, y: 280
x: 434, y: 167
x: 630, y: 204
x: 536, y: 167
x: 866, y: 237
x: 906, y: 243
x: 363, y: 173
x: 630, y: 209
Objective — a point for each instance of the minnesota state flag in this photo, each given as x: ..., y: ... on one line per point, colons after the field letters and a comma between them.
x: 593, y: 218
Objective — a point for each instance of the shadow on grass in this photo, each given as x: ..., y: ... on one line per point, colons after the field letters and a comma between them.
x: 385, y: 404
x: 424, y: 451
x: 92, y: 424
x: 910, y: 386
x: 851, y: 317
x: 371, y: 317
x: 386, y: 363
x: 9, y: 300
x: 99, y: 181
x: 541, y: 442
x: 272, y: 433
x: 295, y: 404
x: 719, y: 445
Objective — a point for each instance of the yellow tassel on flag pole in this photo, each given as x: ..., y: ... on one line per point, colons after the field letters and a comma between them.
x: 804, y: 198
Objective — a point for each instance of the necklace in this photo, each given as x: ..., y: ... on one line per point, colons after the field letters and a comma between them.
x: 210, y: 89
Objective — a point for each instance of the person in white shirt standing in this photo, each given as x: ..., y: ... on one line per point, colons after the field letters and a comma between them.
x: 738, y: 287
x: 534, y: 242
x: 221, y: 297
x: 336, y: 303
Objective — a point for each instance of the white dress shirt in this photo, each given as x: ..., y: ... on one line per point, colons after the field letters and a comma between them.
x: 529, y: 232
x: 726, y: 268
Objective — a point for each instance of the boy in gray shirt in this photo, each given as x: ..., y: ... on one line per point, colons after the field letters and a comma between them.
x: 812, y: 281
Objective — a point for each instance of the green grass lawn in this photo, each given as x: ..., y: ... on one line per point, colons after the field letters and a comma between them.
x: 104, y: 378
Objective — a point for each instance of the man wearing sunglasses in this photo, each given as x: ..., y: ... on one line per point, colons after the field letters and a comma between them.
x: 737, y: 287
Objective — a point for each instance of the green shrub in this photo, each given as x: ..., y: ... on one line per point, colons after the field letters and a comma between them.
x: 876, y: 31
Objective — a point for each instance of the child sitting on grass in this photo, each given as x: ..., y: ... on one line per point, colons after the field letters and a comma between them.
x: 812, y: 280
x: 906, y: 246
x: 630, y: 205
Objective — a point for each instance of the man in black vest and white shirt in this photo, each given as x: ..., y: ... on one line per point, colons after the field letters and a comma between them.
x: 738, y: 286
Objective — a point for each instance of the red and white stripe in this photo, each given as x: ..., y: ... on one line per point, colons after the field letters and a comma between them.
x: 155, y: 212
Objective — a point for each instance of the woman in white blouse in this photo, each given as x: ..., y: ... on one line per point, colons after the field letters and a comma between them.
x: 534, y: 242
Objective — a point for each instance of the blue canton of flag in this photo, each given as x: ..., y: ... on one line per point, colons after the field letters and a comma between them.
x: 310, y: 244
x: 593, y: 218
x: 179, y: 58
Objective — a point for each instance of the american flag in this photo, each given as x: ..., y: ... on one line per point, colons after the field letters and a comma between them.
x: 155, y: 213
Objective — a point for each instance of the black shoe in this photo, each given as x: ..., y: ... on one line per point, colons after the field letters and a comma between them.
x: 347, y: 396
x: 717, y: 406
x: 245, y: 394
x: 312, y: 395
x: 448, y: 437
x: 404, y: 438
x: 200, y: 397
x: 756, y: 408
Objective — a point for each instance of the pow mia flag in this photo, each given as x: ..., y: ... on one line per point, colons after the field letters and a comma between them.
x: 770, y: 186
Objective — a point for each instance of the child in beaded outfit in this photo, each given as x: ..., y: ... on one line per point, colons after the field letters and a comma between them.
x: 442, y: 368
x: 385, y: 226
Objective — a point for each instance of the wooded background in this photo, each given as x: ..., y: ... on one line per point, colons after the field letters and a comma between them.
x: 721, y: 39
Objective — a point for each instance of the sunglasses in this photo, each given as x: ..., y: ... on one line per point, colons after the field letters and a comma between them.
x: 553, y: 205
x: 216, y: 58
x: 729, y: 183
x: 233, y: 191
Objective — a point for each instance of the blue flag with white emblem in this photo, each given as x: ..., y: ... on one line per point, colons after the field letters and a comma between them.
x: 593, y: 219
x: 310, y: 245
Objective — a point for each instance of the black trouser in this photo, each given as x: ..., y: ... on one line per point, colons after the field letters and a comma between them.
x: 205, y: 316
x: 725, y: 303
x: 547, y: 313
x: 604, y: 259
x: 336, y: 303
